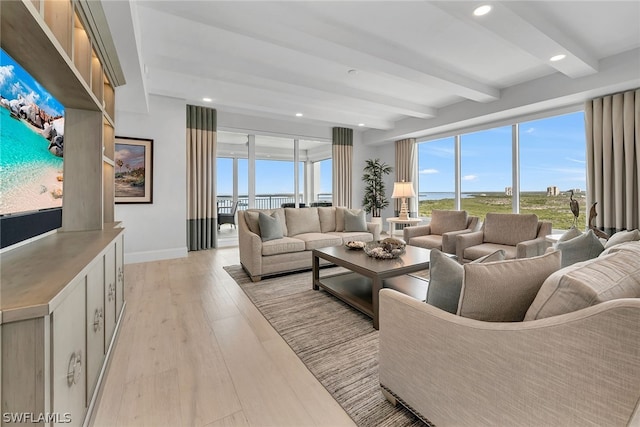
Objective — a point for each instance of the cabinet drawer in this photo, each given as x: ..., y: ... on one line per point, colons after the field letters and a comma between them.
x: 95, y: 324
x: 69, y: 357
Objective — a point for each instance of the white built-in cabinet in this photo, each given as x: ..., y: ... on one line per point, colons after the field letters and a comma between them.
x: 62, y: 295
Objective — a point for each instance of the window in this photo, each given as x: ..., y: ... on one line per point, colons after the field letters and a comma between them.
x: 552, y: 165
x: 486, y: 172
x: 436, y: 176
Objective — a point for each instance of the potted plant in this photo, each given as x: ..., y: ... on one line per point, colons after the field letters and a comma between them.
x: 374, y: 199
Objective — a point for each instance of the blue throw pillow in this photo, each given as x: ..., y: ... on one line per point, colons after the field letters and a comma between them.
x: 355, y: 220
x: 270, y: 227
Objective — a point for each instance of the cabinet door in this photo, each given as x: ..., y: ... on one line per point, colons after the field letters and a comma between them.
x: 119, y: 274
x: 109, y: 295
x: 95, y: 324
x: 68, y: 370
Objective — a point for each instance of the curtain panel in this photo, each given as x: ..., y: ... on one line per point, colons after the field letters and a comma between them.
x: 201, y: 182
x: 613, y: 130
x: 406, y: 167
x: 342, y: 152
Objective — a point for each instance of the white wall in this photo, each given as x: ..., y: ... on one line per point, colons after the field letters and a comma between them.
x: 158, y: 230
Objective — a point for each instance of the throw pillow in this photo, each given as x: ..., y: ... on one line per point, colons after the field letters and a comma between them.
x: 568, y: 235
x: 270, y: 227
x: 503, y: 291
x: 445, y: 279
x: 581, y: 248
x: 355, y: 220
x: 621, y: 237
x: 302, y: 220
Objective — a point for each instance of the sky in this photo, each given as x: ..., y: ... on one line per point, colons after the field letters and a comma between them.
x: 14, y: 81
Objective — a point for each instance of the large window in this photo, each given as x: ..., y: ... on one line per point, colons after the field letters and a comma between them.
x: 436, y: 176
x: 551, y: 170
x: 552, y: 167
x: 486, y: 172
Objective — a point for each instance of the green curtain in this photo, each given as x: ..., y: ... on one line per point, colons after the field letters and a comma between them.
x: 342, y: 166
x: 202, y: 221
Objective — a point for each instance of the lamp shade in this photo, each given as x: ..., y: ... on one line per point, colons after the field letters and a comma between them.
x: 402, y: 190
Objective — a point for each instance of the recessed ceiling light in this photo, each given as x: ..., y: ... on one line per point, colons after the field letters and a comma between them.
x: 557, y: 57
x: 360, y: 124
x: 207, y: 99
x: 298, y: 114
x: 482, y: 10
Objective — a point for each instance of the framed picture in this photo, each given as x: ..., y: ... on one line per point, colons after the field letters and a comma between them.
x: 133, y: 170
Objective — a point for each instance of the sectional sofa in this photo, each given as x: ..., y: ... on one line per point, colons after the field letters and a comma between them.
x: 524, y: 349
x: 293, y: 233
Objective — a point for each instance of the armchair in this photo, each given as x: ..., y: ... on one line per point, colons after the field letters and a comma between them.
x: 441, y: 232
x: 519, y: 235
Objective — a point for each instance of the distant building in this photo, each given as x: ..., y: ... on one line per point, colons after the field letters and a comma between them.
x: 508, y: 191
x: 553, y: 191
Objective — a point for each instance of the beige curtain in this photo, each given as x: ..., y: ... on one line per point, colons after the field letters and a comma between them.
x: 342, y: 166
x: 201, y: 182
x: 406, y: 167
x: 613, y: 157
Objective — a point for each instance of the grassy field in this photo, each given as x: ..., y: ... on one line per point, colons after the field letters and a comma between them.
x: 549, y: 208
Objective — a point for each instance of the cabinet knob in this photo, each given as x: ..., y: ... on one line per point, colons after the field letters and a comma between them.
x: 97, y: 320
x: 74, y: 370
x: 120, y: 274
x: 112, y: 291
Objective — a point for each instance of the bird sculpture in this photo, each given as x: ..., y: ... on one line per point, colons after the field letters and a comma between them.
x: 575, y: 208
x: 592, y: 222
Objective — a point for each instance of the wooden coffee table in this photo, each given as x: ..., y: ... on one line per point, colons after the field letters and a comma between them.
x: 360, y: 286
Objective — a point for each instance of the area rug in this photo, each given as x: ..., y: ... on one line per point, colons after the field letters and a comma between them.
x: 337, y: 343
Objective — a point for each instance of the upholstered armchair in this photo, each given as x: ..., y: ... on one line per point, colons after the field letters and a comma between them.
x: 519, y: 235
x: 441, y: 232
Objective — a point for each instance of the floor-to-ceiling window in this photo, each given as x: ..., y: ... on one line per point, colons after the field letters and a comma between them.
x: 552, y: 167
x: 485, y: 177
x: 436, y: 175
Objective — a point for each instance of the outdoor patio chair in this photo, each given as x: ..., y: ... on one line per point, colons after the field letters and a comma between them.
x: 227, y: 214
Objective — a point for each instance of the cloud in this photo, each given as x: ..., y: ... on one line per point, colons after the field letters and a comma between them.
x: 428, y: 171
x: 470, y: 177
x: 575, y: 160
x: 530, y: 130
x: 6, y: 73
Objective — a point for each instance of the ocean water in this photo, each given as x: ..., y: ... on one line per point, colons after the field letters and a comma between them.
x: 440, y: 195
x: 27, y: 169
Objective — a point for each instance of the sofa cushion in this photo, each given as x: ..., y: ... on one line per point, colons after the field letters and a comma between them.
x: 252, y: 219
x: 282, y: 246
x: 503, y: 291
x: 621, y: 237
x: 625, y: 246
x: 302, y: 220
x: 475, y: 252
x: 270, y: 227
x: 510, y: 229
x: 585, y: 246
x: 613, y: 276
x: 340, y: 218
x: 347, y: 236
x: 327, y: 219
x: 355, y: 220
x: 430, y: 241
x: 319, y: 240
x: 445, y: 279
x: 443, y: 221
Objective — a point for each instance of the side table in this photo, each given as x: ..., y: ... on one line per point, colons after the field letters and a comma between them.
x: 396, y: 220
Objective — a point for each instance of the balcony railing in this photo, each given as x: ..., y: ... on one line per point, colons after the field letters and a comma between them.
x: 267, y: 201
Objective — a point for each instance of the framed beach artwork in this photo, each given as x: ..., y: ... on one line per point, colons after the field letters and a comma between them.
x: 134, y: 170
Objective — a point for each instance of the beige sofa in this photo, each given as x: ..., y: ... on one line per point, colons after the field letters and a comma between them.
x: 442, y: 231
x: 573, y: 361
x: 519, y: 235
x: 303, y: 229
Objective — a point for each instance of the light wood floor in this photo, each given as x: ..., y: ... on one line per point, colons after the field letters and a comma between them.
x: 194, y: 351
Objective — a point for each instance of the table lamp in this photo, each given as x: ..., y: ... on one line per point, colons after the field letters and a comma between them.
x: 402, y: 190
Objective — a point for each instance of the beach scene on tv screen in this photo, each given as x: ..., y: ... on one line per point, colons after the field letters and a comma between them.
x: 31, y: 142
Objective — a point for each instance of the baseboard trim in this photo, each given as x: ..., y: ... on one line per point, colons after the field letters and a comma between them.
x: 148, y: 256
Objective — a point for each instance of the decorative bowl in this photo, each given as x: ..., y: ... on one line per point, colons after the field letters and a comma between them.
x: 355, y: 245
x: 385, y: 249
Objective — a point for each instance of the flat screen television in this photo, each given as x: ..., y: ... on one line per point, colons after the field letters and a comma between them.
x: 31, y: 155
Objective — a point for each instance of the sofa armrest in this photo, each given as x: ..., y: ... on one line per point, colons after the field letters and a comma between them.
x: 415, y: 231
x: 449, y: 240
x: 465, y: 240
x: 531, y: 248
x: 250, y: 248
x: 580, y: 368
x: 375, y: 230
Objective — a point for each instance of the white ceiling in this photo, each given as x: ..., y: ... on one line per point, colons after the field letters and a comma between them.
x: 413, y: 61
